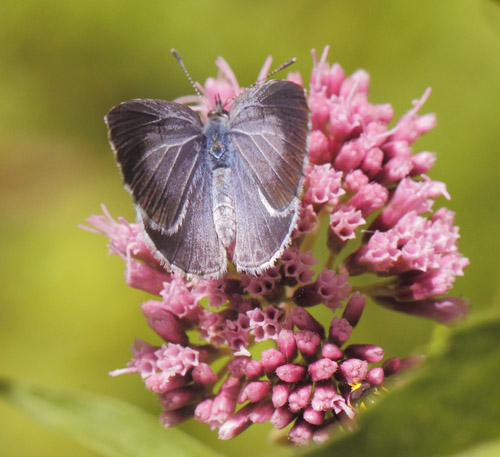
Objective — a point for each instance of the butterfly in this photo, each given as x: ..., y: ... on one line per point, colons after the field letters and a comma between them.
x: 231, y: 184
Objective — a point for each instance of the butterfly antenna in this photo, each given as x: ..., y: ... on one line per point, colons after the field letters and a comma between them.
x: 276, y: 70
x: 184, y: 69
x: 261, y: 80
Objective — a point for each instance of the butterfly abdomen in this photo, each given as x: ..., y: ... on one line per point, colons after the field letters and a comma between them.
x: 223, y: 205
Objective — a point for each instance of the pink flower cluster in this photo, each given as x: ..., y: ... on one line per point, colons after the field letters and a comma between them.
x: 364, y: 177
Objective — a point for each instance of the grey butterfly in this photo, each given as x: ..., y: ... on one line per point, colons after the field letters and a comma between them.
x: 231, y: 184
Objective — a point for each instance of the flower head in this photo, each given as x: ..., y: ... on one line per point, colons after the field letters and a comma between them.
x: 364, y: 177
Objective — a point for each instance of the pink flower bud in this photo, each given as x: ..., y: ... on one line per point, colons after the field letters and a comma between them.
x: 307, y: 342
x: 333, y: 288
x: 391, y: 366
x: 375, y: 376
x: 257, y: 390
x: 177, y: 298
x: 272, y: 359
x: 203, y: 374
x: 265, y: 324
x: 237, y: 366
x: 224, y: 402
x: 353, y: 370
x: 323, y: 186
x: 369, y: 198
x: 307, y: 221
x: 236, y: 424
x: 304, y: 321
x: 331, y: 351
x: 340, y: 330
x: 254, y: 369
x: 281, y: 391
x: 264, y: 284
x: 322, y: 369
x: 312, y: 416
x: 299, y: 397
x: 351, y: 156
x: 282, y: 417
x: 319, y: 152
x: 163, y: 322
x: 307, y: 296
x: 172, y: 418
x: 445, y: 310
x: 355, y: 180
x: 178, y: 398
x: 326, y: 398
x: 422, y: 162
x: 301, y: 433
x: 203, y: 410
x: 159, y: 384
x: 262, y: 412
x: 368, y: 352
x: 287, y: 345
x: 141, y: 276
x: 290, y: 372
x: 354, y: 308
x: 372, y: 162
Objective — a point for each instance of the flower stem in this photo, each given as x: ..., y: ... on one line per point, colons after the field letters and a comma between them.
x: 378, y: 288
x: 330, y: 260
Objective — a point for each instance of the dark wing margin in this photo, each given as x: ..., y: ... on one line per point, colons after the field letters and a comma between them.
x: 268, y: 130
x: 195, y: 248
x: 157, y: 146
x: 267, y: 136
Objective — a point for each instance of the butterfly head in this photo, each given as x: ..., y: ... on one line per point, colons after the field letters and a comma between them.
x: 219, y: 110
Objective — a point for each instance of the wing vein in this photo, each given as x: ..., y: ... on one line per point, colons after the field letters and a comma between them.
x: 168, y: 147
x: 185, y: 192
x: 251, y: 136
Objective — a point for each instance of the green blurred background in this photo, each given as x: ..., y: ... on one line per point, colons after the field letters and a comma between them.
x: 66, y: 316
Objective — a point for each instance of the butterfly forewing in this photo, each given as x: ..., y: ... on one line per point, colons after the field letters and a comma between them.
x: 267, y: 130
x: 157, y: 145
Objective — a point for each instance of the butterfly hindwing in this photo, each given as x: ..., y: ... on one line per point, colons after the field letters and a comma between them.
x: 267, y: 129
x: 261, y: 235
x: 195, y: 248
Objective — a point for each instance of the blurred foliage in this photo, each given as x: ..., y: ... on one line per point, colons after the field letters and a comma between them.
x: 66, y: 316
x: 111, y: 427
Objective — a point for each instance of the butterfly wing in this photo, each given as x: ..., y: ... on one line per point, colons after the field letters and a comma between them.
x: 158, y: 147
x: 195, y: 248
x: 267, y: 135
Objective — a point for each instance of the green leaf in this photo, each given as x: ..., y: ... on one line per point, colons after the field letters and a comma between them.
x: 106, y: 425
x: 449, y: 407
